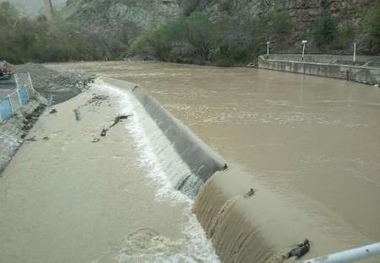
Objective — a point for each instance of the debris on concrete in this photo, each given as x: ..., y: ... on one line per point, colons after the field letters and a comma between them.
x: 119, y: 118
x: 53, y: 111
x: 77, y: 115
x: 32, y: 139
x: 104, y: 132
x: 95, y: 140
x: 249, y: 193
x: 14, y: 131
x: 96, y: 100
x: 46, y: 138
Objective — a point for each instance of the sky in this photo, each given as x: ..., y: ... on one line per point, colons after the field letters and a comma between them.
x: 32, y: 7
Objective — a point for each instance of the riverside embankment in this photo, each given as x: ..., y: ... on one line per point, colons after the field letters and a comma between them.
x: 308, y: 145
x: 57, y: 86
x: 366, y: 70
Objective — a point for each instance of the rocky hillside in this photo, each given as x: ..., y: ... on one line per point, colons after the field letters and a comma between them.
x: 302, y: 12
x: 191, y: 31
x: 150, y: 12
x: 346, y: 15
x: 105, y: 13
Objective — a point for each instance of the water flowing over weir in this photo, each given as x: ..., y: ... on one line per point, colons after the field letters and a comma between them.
x: 264, y: 227
x: 196, y: 162
x: 258, y: 229
x: 308, y: 145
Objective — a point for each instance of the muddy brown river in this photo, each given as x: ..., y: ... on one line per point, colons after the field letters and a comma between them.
x: 314, y: 142
x: 299, y: 134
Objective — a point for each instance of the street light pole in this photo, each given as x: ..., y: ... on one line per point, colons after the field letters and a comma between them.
x: 303, y: 42
x: 354, y: 57
x: 268, y: 43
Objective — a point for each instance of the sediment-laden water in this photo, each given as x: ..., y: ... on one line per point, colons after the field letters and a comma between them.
x: 308, y: 146
x: 71, y: 195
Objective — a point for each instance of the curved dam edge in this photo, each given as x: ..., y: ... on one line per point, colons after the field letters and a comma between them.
x: 200, y: 158
x: 258, y: 229
x: 268, y: 224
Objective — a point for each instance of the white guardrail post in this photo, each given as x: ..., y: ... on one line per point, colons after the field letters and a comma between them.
x: 10, y: 103
x: 351, y: 255
x: 1, y: 117
x: 31, y: 85
x: 19, y: 97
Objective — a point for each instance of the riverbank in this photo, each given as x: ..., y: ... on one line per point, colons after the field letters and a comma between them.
x: 14, y: 131
x: 72, y: 195
x: 55, y: 85
x: 362, y: 74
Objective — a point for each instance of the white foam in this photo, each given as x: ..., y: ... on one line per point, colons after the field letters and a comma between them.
x: 148, y: 159
x: 193, y: 246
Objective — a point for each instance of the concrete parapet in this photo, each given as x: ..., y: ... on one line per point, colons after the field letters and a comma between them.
x: 328, y: 59
x: 362, y: 74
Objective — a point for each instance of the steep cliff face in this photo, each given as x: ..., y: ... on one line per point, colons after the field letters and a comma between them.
x: 304, y: 12
x: 306, y: 17
x: 143, y: 13
x: 328, y: 25
x: 146, y: 13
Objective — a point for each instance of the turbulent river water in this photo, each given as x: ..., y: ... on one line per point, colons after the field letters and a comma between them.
x: 309, y: 146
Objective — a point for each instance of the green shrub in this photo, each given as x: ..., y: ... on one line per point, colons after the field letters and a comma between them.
x: 189, y: 6
x: 325, y: 31
x: 180, y: 39
x: 279, y: 22
x: 372, y: 28
x: 345, y: 37
x: 226, y: 6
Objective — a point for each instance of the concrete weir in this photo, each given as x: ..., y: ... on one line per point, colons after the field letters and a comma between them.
x: 262, y: 228
x: 202, y: 161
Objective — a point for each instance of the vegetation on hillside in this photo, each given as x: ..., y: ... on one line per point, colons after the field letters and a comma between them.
x: 325, y: 31
x: 198, y: 36
x: 372, y: 28
x: 37, y: 39
x: 224, y: 41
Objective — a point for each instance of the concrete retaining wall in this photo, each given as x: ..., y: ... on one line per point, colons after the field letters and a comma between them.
x: 328, y: 59
x: 14, y: 130
x: 200, y: 158
x: 366, y: 75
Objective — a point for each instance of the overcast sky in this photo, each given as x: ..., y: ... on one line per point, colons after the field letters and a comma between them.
x: 32, y: 6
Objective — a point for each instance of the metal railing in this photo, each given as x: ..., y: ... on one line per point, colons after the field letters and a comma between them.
x: 20, y: 97
x: 351, y: 255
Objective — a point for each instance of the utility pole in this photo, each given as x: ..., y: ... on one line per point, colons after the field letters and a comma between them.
x: 48, y: 9
x: 354, y: 56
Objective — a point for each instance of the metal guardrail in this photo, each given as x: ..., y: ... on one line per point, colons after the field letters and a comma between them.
x: 14, y: 101
x: 347, y: 256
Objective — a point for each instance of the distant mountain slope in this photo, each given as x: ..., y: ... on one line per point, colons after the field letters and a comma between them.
x: 105, y: 13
